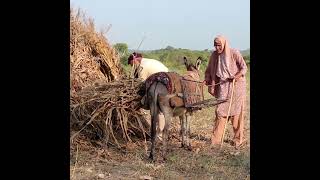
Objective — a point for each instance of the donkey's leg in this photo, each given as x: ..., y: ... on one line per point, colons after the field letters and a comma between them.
x: 168, y: 116
x: 188, y: 119
x: 183, y: 129
x: 167, y: 111
x: 154, y: 119
x: 154, y: 111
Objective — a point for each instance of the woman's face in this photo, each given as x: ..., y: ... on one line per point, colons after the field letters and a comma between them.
x: 218, y: 46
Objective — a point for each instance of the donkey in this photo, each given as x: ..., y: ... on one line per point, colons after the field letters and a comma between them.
x: 158, y: 99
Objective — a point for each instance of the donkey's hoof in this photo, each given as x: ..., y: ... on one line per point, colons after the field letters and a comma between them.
x: 151, y: 158
x: 162, y: 160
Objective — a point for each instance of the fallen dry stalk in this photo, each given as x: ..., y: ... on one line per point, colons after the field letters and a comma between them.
x: 75, y: 164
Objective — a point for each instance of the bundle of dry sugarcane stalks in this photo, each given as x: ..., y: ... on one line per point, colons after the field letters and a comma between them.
x: 109, y: 112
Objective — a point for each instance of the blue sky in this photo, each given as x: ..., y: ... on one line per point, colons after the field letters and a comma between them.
x: 190, y: 24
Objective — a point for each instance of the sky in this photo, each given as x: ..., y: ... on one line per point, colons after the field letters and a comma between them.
x: 187, y: 24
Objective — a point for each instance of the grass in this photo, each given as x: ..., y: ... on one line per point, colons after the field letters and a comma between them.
x: 180, y: 164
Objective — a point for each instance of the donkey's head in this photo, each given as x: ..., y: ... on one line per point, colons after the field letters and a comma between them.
x: 192, y: 67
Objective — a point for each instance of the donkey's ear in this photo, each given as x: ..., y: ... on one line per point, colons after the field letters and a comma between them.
x: 198, y: 63
x: 185, y: 61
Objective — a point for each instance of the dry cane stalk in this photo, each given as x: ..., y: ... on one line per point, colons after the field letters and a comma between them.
x: 75, y: 164
x: 225, y: 125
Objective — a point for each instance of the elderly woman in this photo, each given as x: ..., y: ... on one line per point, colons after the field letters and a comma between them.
x: 226, y: 65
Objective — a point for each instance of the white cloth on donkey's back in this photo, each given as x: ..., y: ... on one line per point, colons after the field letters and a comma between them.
x: 151, y: 66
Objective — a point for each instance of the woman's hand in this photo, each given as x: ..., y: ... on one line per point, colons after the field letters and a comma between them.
x: 211, y: 90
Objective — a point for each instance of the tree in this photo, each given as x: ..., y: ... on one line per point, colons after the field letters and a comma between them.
x: 247, y: 59
x: 122, y: 48
x: 169, y: 48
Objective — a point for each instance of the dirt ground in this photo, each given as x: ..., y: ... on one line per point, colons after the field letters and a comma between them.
x: 200, y: 163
